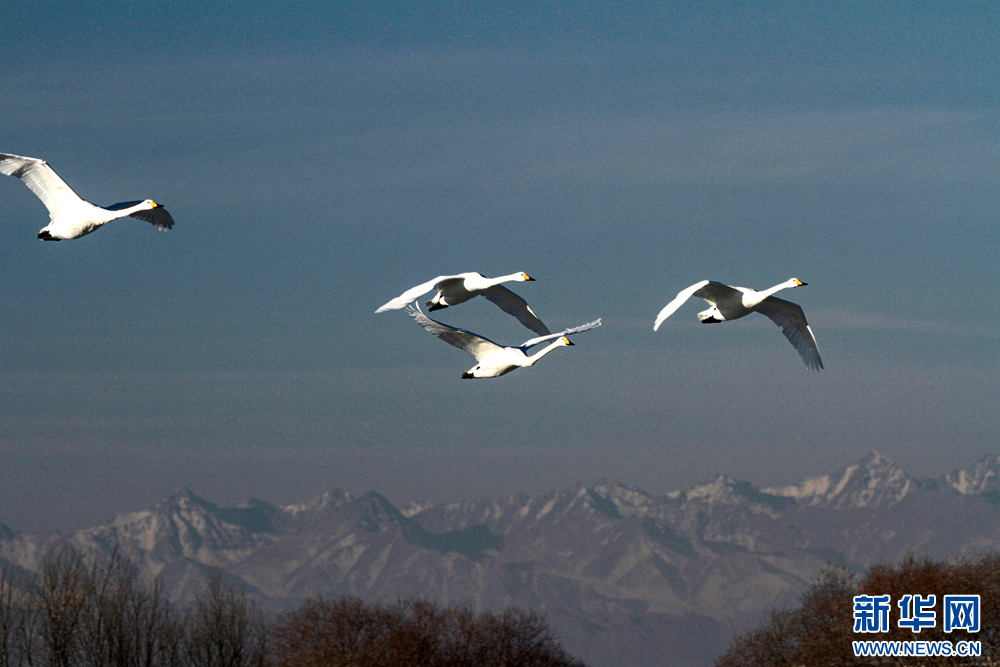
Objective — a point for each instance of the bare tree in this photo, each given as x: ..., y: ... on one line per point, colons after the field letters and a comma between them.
x: 777, y: 643
x: 80, y: 614
x: 224, y: 628
x: 60, y: 596
x: 332, y: 632
x: 412, y: 633
x: 100, y: 612
x: 127, y: 623
x: 821, y: 630
x: 16, y: 619
x: 9, y: 614
x: 160, y: 630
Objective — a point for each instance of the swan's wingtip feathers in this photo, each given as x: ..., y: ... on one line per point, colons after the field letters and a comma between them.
x: 812, y: 359
x: 157, y: 216
x: 677, y: 302
x: 566, y: 332
x: 18, y: 170
x: 390, y: 305
x: 413, y: 310
x: 16, y: 165
x: 583, y: 327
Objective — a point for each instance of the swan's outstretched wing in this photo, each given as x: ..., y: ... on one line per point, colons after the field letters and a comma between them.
x: 158, y: 216
x: 678, y: 301
x: 414, y: 293
x: 476, y: 345
x: 792, y: 320
x: 714, y: 292
x: 568, y: 332
x: 40, y: 179
x: 512, y: 304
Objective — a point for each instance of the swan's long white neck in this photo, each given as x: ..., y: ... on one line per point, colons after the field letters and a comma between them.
x: 141, y: 206
x: 532, y: 359
x: 756, y: 298
x: 105, y: 216
x: 503, y: 279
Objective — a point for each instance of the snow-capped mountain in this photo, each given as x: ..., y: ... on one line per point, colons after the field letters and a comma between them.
x: 873, y: 482
x: 982, y: 479
x: 624, y: 576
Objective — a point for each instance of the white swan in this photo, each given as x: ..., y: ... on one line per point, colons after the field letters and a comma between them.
x: 494, y: 360
x: 72, y: 217
x: 459, y: 288
x: 730, y: 303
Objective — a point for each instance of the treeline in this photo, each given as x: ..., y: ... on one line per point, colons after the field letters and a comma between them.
x: 79, y: 612
x: 821, y: 630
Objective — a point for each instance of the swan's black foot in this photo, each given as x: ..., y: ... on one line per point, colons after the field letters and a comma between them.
x: 45, y: 236
x: 431, y: 306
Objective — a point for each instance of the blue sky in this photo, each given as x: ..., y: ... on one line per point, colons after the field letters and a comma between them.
x: 319, y: 160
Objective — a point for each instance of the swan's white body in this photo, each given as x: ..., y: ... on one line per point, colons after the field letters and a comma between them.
x: 731, y: 303
x: 70, y: 216
x: 494, y: 360
x: 459, y: 288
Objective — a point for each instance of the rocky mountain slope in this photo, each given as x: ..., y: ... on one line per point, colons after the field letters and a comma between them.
x: 625, y: 577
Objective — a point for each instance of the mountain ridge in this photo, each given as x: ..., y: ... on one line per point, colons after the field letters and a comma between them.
x: 613, y: 566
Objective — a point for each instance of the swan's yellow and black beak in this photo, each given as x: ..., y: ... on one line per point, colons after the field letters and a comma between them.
x: 527, y: 277
x: 155, y: 205
x: 567, y: 341
x: 799, y: 283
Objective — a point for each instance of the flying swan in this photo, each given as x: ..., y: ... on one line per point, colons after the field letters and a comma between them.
x: 730, y: 303
x: 494, y: 360
x: 70, y: 216
x: 459, y: 288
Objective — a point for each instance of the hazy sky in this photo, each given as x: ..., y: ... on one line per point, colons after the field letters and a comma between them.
x: 320, y: 158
